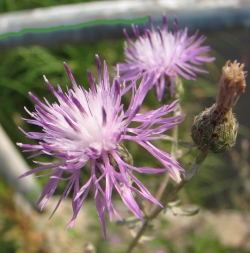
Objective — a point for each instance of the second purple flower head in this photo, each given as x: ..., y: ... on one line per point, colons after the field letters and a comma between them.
x: 164, y: 56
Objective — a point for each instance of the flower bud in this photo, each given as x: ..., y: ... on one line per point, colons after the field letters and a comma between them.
x: 212, y: 133
x: 123, y: 153
x: 215, y: 129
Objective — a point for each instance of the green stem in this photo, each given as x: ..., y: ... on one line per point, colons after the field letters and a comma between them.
x: 174, y: 149
x: 185, y: 177
x: 138, y: 236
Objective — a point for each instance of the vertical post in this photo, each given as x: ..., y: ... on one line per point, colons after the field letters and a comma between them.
x: 12, y: 165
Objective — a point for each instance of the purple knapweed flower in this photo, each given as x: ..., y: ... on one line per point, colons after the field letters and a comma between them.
x: 163, y: 55
x: 88, y: 126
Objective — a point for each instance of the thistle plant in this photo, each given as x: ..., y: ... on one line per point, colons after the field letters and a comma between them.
x: 213, y: 131
x: 88, y: 130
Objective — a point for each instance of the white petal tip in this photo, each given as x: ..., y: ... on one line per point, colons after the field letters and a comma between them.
x: 45, y: 79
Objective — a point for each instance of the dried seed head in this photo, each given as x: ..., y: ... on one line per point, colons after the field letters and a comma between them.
x: 232, y: 85
x: 215, y: 129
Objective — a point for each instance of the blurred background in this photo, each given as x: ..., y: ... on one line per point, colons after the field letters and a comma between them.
x: 74, y: 31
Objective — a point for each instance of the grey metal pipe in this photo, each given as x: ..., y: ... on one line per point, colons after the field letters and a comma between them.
x: 191, y: 13
x: 12, y: 165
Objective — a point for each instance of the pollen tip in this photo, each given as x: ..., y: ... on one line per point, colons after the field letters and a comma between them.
x: 19, y: 144
x: 97, y: 57
x: 65, y: 65
x: 98, y: 61
x: 45, y: 79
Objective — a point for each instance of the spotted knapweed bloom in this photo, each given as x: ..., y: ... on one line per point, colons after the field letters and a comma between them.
x: 89, y: 126
x: 163, y: 55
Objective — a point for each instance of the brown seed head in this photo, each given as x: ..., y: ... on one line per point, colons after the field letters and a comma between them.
x: 232, y: 85
x: 215, y: 129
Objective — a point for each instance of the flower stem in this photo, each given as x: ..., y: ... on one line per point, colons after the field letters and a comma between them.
x: 185, y: 177
x: 138, y: 236
x: 161, y: 189
x: 174, y: 149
